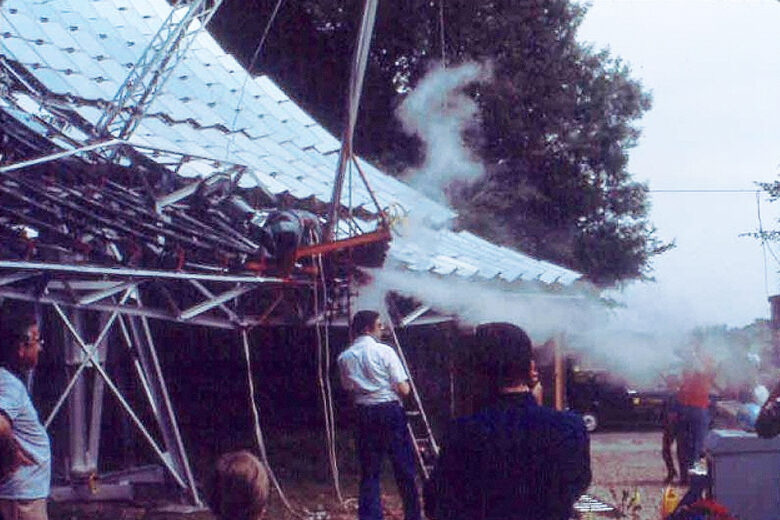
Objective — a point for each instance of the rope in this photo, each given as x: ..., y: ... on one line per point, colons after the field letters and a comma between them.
x: 259, y: 433
x: 323, y: 377
x: 249, y: 69
x: 441, y: 34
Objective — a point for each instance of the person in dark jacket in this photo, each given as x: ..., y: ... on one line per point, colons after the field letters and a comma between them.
x: 513, y: 459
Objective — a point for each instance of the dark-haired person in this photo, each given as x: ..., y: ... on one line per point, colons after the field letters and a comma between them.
x: 374, y: 376
x: 25, y: 454
x: 768, y: 421
x: 240, y: 487
x: 513, y: 459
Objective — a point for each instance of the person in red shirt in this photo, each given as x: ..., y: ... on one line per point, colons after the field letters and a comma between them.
x: 693, y: 400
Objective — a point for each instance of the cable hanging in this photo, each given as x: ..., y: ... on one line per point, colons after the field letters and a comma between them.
x: 441, y: 35
x: 704, y: 190
x: 323, y: 375
x: 249, y: 70
x: 259, y: 433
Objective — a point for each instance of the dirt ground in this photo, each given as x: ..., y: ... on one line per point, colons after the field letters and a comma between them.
x: 624, y: 463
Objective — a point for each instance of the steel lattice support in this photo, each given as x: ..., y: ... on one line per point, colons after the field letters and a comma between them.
x: 153, y: 68
x: 77, y: 446
x: 114, y: 297
x: 166, y: 416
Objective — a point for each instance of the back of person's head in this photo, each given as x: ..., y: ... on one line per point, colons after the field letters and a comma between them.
x: 363, y: 321
x: 506, y: 353
x: 240, y: 487
x: 16, y: 318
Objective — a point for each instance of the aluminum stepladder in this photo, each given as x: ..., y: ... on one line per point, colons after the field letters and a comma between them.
x: 419, y: 427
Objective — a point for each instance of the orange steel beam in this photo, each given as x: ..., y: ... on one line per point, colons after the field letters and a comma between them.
x: 346, y: 243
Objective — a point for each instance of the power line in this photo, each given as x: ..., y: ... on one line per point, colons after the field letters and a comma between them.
x: 763, y: 242
x: 726, y: 190
x: 249, y: 71
x: 441, y: 34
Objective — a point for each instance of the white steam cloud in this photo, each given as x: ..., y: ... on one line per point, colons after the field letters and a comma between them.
x: 537, y: 312
x: 439, y: 112
x: 635, y: 343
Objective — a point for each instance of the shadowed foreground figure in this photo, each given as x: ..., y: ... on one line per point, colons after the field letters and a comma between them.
x: 768, y: 422
x: 240, y: 487
x: 25, y: 454
x: 669, y: 422
x: 514, y: 459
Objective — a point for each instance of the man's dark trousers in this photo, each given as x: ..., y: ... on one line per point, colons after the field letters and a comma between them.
x: 381, y: 430
x: 691, y: 432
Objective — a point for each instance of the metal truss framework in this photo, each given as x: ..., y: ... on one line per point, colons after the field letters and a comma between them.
x: 132, y: 244
x: 89, y: 240
x: 84, y: 457
x: 154, y: 67
x: 227, y: 302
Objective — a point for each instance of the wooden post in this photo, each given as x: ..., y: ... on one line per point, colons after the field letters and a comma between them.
x: 774, y: 324
x: 559, y: 375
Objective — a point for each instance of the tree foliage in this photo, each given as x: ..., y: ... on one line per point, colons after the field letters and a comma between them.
x: 557, y: 120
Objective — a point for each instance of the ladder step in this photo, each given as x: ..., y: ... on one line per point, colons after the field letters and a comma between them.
x: 419, y: 430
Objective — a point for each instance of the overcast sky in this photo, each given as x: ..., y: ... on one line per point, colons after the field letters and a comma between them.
x: 713, y: 68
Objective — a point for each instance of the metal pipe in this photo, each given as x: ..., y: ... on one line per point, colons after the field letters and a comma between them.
x: 176, y: 196
x: 169, y: 418
x: 122, y: 401
x: 84, y: 363
x: 60, y: 155
x: 215, y: 301
x: 77, y: 409
x: 357, y: 74
x: 105, y: 293
x: 144, y: 273
x: 98, y: 390
x: 137, y: 365
x: 409, y: 318
x: 370, y: 191
x: 16, y: 277
x: 208, y: 294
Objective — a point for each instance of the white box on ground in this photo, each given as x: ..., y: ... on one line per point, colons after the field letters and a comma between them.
x: 745, y: 471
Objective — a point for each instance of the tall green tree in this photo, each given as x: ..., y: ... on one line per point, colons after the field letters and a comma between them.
x: 557, y: 120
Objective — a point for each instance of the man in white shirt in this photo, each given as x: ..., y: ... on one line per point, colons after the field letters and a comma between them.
x: 373, y: 374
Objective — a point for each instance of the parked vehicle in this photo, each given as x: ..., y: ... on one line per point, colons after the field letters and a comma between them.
x: 604, y: 400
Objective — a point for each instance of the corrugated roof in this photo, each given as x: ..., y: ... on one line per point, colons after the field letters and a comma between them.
x: 86, y: 49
